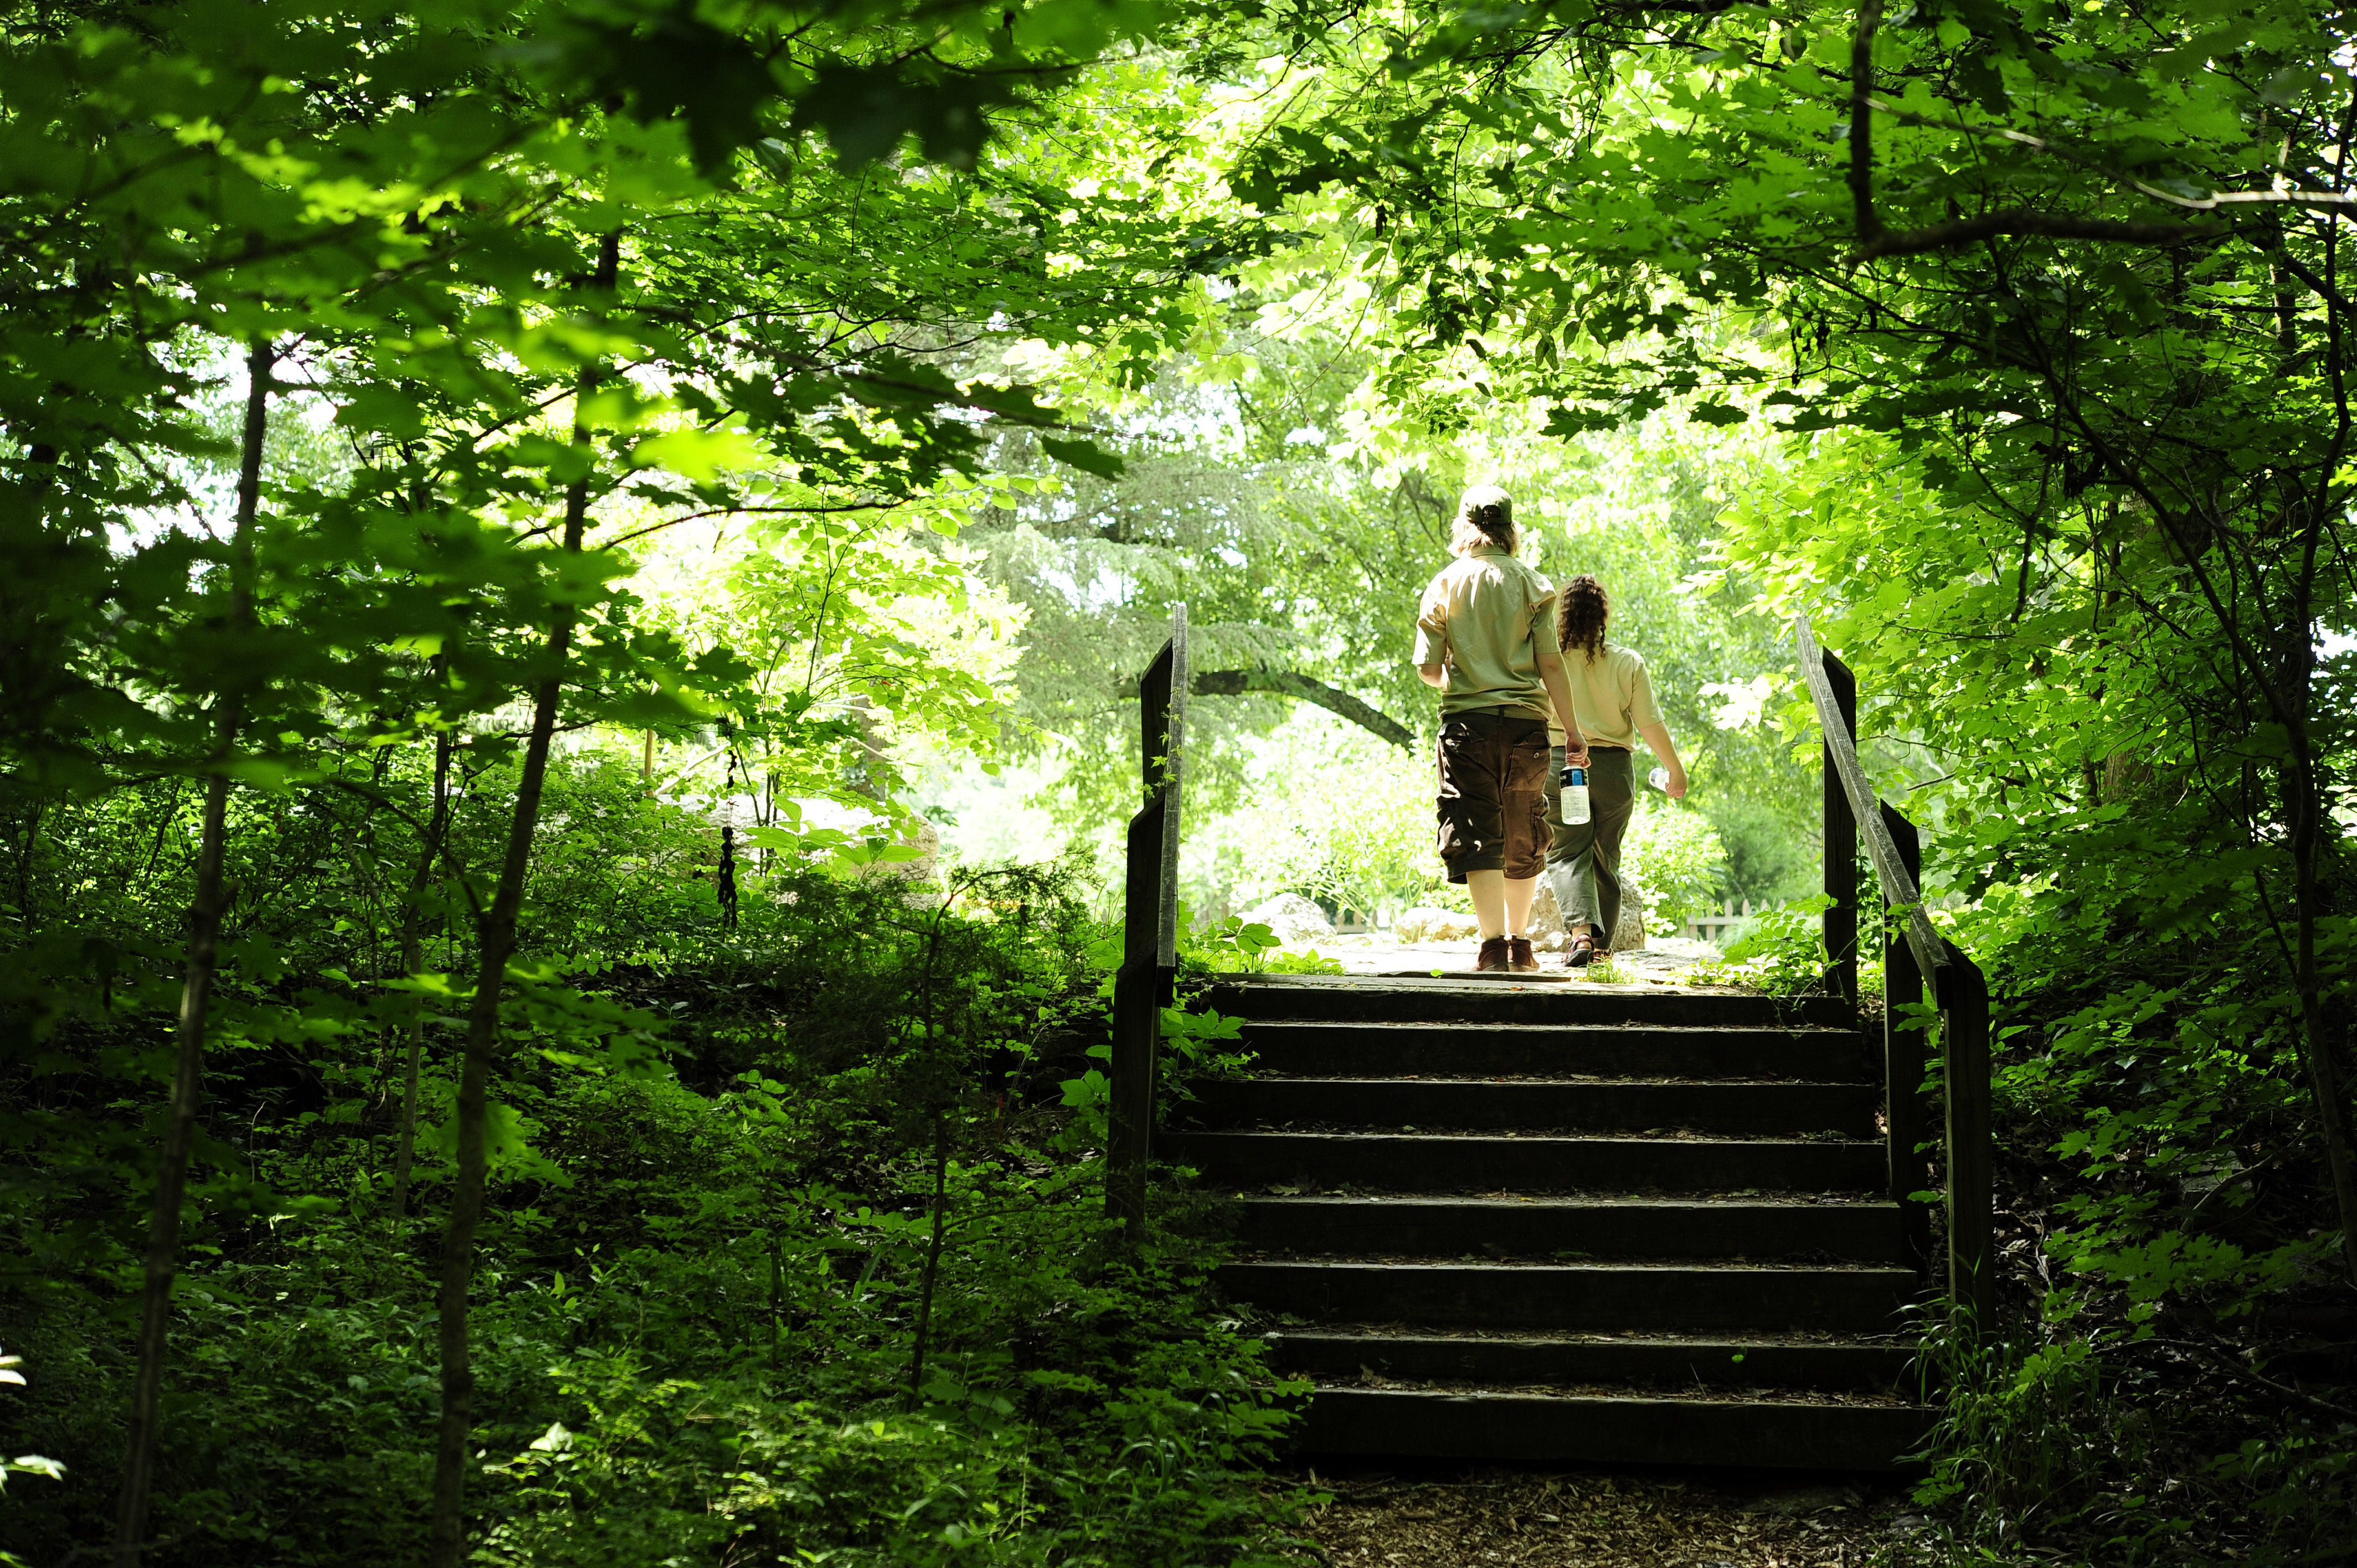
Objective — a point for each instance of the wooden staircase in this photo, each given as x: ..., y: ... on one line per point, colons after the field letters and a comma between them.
x: 1546, y: 1220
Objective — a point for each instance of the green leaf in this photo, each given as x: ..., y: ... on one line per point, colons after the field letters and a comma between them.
x: 1085, y: 456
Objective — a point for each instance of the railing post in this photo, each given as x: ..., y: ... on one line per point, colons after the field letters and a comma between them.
x: 1961, y: 990
x: 1841, y: 846
x: 1903, y: 1058
x: 1143, y: 985
x: 1972, y: 1218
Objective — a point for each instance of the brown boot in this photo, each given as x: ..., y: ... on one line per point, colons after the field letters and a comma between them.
x: 1520, y: 958
x: 1493, y: 956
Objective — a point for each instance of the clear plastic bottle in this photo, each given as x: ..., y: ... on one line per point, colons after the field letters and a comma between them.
x: 1574, y: 795
x: 1659, y: 778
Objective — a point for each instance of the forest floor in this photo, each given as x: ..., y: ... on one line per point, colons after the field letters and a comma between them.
x: 1491, y: 1517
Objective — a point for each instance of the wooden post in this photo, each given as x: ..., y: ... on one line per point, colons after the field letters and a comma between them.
x: 1841, y: 846
x: 1961, y: 990
x: 1903, y: 1058
x: 1964, y: 1042
x: 1143, y: 985
x: 1137, y: 1029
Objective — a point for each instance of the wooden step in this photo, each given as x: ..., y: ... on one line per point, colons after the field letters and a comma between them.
x: 1594, y: 1227
x: 1546, y: 1223
x: 1311, y: 1049
x: 1418, y: 1161
x: 1508, y: 1360
x: 1657, y: 1297
x: 1343, y: 998
x: 1457, y: 1423
x: 1538, y: 1105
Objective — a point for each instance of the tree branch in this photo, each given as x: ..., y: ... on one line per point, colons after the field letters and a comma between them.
x: 1285, y: 683
x: 1861, y: 125
x: 2015, y: 221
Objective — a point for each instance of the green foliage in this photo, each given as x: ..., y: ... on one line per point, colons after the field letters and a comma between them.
x: 1334, y: 815
x: 1311, y: 961
x: 2024, y: 1430
x: 700, y: 1285
x: 1227, y: 946
x: 1782, y: 949
x: 1675, y: 855
x: 2051, y: 1430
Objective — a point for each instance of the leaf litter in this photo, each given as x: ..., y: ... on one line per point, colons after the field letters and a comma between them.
x: 1492, y: 1517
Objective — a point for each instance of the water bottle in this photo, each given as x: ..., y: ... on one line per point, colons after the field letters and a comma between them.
x: 1574, y: 795
x: 1660, y: 780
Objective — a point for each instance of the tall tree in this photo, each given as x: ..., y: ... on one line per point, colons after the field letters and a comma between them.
x: 236, y: 615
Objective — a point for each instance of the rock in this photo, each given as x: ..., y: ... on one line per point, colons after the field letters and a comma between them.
x: 1546, y: 918
x: 1631, y: 937
x: 1427, y: 924
x: 1293, y: 918
x: 1546, y: 914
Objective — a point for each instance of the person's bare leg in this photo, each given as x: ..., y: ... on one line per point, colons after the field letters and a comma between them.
x: 1518, y: 896
x: 1491, y: 897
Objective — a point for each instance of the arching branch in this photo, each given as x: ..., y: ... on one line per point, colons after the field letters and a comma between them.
x: 1285, y: 683
x: 2051, y: 225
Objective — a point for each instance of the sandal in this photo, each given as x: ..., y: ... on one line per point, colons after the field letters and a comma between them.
x: 1582, y: 954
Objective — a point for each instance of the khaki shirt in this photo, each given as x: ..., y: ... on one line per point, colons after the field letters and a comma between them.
x: 1485, y: 617
x: 1611, y: 695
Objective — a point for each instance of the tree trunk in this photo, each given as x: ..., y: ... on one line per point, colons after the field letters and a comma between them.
x: 412, y: 959
x: 941, y: 1168
x: 196, y: 997
x: 2320, y: 1053
x: 932, y: 1257
x: 496, y: 934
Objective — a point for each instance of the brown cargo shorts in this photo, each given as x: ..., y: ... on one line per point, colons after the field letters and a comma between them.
x: 1493, y: 766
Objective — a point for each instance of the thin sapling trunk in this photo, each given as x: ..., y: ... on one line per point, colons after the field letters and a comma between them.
x: 941, y: 1164
x: 195, y: 999
x: 933, y: 1257
x: 412, y: 959
x: 496, y: 933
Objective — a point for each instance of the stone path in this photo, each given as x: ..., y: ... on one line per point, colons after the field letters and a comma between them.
x: 1659, y: 962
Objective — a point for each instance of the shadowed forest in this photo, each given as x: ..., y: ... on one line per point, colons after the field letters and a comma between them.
x: 574, y: 578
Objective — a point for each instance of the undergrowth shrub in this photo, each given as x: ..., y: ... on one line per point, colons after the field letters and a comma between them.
x: 819, y: 1274
x: 1673, y: 854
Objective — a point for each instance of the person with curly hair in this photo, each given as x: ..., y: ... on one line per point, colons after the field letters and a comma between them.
x: 1485, y: 635
x: 1612, y: 702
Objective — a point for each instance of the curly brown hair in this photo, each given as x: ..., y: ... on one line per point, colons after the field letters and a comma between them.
x: 1580, y: 621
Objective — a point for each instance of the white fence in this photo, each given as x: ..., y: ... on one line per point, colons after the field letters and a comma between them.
x: 1715, y: 927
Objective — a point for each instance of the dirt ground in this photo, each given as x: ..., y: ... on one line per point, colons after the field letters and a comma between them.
x: 1488, y: 1517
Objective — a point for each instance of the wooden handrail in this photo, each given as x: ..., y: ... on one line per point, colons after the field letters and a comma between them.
x: 1853, y: 811
x: 1899, y: 884
x: 1143, y: 985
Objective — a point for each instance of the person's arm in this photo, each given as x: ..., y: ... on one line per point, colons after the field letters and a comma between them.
x: 1431, y: 656
x: 1558, y: 686
x: 1657, y: 736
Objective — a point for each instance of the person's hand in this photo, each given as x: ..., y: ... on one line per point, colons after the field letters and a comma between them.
x: 1677, y: 785
x: 1575, y: 755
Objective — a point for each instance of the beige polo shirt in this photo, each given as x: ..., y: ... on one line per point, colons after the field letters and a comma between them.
x: 1611, y: 695
x: 1485, y: 617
